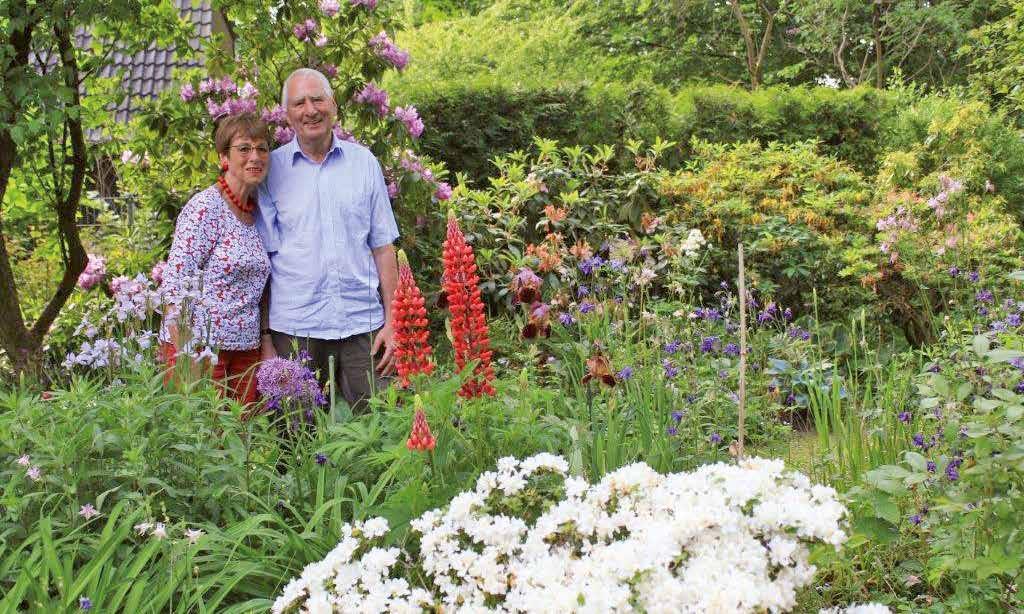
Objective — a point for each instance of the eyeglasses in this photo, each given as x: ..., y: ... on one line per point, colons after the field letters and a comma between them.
x: 245, y: 150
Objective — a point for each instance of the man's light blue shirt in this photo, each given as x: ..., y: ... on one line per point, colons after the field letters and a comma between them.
x: 319, y: 222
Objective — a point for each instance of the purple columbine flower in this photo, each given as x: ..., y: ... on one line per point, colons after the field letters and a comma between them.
x: 587, y: 307
x: 673, y: 346
x: 984, y: 296
x: 1019, y: 388
x: 731, y: 349
x: 590, y: 265
x: 982, y: 311
x: 787, y: 314
x: 566, y: 319
x: 707, y: 344
x: 321, y: 459
x: 617, y: 265
x: 915, y: 519
x: 1013, y: 320
x: 673, y: 431
x: 952, y: 472
x: 715, y: 438
x: 85, y: 603
x: 677, y: 415
x: 724, y: 285
x: 764, y: 317
x: 1018, y: 363
x: 904, y: 416
x: 974, y: 276
x: 931, y: 466
x: 711, y: 315
x: 582, y: 291
x: 690, y: 398
x: 670, y: 369
x: 953, y: 271
x: 625, y: 373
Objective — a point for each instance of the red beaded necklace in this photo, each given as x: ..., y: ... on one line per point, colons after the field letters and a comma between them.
x: 248, y: 207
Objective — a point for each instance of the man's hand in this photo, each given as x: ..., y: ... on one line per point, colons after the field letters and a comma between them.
x: 385, y: 338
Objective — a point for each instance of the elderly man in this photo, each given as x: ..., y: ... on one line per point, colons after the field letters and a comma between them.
x: 326, y: 221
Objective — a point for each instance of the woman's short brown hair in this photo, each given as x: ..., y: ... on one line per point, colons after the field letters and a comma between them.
x: 244, y: 125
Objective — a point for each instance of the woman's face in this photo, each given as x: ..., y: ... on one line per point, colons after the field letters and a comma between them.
x: 247, y: 160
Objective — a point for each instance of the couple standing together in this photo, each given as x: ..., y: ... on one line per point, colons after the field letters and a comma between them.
x: 291, y: 250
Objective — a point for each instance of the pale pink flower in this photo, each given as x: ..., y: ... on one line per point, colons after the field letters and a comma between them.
x: 24, y: 460
x: 34, y: 473
x: 88, y: 511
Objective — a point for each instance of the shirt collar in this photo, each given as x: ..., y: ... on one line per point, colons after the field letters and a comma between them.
x: 296, y: 151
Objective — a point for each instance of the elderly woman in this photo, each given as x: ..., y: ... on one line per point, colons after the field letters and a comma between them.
x: 217, y: 270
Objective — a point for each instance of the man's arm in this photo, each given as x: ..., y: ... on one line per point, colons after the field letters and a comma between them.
x: 267, y: 349
x: 387, y: 270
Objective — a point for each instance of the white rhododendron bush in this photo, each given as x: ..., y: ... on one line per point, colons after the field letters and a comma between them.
x: 531, y: 538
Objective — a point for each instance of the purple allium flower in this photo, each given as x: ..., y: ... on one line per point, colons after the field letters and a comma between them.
x: 321, y: 459
x: 670, y: 369
x: 919, y: 440
x: 587, y: 307
x: 673, y: 346
x: 677, y: 415
x: 566, y: 319
x: 280, y: 379
x: 904, y: 417
x: 953, y: 271
x: 673, y: 431
x: 983, y: 296
x: 443, y: 191
x: 974, y: 276
x: 715, y: 438
x: 931, y: 466
x: 707, y: 344
x: 915, y: 519
x: 731, y: 349
x: 85, y: 603
x: 625, y: 373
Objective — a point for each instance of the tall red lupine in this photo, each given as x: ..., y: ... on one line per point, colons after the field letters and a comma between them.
x: 468, y: 324
x: 412, y: 348
x: 420, y: 438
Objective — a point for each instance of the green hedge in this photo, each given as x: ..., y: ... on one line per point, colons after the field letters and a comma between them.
x: 470, y: 124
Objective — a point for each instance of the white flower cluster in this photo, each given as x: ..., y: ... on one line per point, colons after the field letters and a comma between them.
x: 354, y: 577
x: 694, y: 242
x: 723, y: 538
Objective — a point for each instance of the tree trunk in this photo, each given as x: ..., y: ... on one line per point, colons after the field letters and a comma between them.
x: 876, y: 25
x: 21, y: 343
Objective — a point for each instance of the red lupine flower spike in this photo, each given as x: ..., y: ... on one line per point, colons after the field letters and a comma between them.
x: 412, y: 348
x: 420, y: 438
x: 468, y: 323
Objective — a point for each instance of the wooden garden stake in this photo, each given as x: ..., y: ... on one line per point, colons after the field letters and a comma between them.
x: 743, y: 356
x: 330, y: 379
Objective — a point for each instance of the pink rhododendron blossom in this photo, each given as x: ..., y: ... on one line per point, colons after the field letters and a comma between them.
x: 188, y: 92
x: 443, y: 192
x: 95, y: 270
x: 329, y: 7
x: 374, y: 96
x: 283, y: 134
x: 411, y: 118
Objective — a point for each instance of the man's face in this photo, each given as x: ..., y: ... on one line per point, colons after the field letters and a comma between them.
x: 311, y: 112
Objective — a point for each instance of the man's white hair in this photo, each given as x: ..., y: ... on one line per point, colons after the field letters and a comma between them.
x: 305, y: 72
